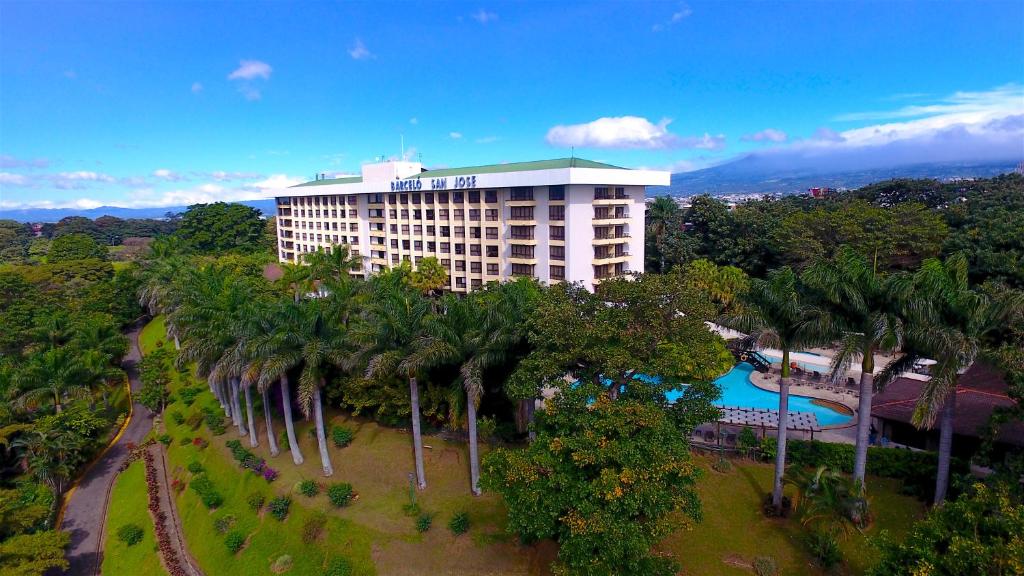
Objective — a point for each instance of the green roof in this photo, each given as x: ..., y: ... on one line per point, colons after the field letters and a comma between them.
x: 515, y: 167
x: 486, y: 169
x: 346, y: 180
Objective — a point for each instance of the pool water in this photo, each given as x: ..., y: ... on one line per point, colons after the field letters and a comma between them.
x: 737, y: 390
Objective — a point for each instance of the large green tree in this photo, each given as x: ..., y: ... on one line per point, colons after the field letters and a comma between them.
x: 222, y: 227
x: 75, y: 247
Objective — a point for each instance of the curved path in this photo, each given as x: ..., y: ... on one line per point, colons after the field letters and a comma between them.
x: 86, y: 511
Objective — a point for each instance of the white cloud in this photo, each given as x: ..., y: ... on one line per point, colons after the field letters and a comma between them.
x: 250, y: 70
x: 455, y: 135
x: 197, y: 87
x: 168, y: 175
x: 956, y: 108
x: 359, y: 51
x: 414, y: 120
x: 86, y: 176
x: 7, y: 161
x: 628, y: 132
x: 222, y: 176
x: 682, y: 13
x: 275, y: 181
x: 12, y: 179
x: 482, y: 16
x: 766, y: 135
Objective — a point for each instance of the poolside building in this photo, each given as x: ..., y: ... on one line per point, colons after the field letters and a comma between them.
x: 555, y: 220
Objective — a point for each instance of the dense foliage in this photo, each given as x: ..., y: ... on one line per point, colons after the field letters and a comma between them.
x: 220, y: 227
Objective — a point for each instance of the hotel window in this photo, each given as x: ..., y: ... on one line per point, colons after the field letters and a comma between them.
x: 492, y: 251
x: 431, y: 246
x: 474, y: 232
x: 405, y: 214
x: 457, y: 197
x: 316, y: 200
x: 556, y: 193
x: 446, y: 231
x: 522, y: 251
x: 376, y: 213
x: 430, y: 230
x: 522, y: 212
x: 318, y: 226
x: 459, y: 213
x: 379, y: 226
x: 446, y: 248
x: 556, y: 213
x: 334, y: 225
x: 521, y: 232
x: 474, y: 196
x: 334, y: 200
x: 375, y: 199
x: 353, y: 227
x: 460, y: 232
x: 392, y: 213
x: 377, y: 240
x: 474, y: 267
x: 460, y: 265
x: 460, y: 282
x: 557, y: 272
x: 491, y: 214
x: 620, y: 193
x: 474, y: 249
x: 353, y: 213
x: 317, y: 213
x: 522, y: 193
x: 417, y: 214
x: 428, y: 197
x: 492, y: 269
x: 443, y: 214
x: 491, y: 196
x: 417, y: 229
x: 392, y: 198
x: 460, y: 249
x: 394, y: 258
x: 336, y: 239
x: 475, y: 282
x: 355, y: 240
x: 446, y: 262
x: 405, y: 228
x: 430, y: 214
x: 394, y: 228
x: 442, y: 197
x: 601, y: 193
x: 492, y: 233
x: 417, y: 245
x: 416, y: 198
x: 394, y: 243
x: 557, y: 252
x: 334, y: 213
x: 352, y: 200
x: 522, y: 269
x: 405, y: 244
x: 474, y: 214
x: 403, y: 198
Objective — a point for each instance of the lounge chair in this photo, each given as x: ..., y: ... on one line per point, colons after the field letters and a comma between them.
x: 709, y: 436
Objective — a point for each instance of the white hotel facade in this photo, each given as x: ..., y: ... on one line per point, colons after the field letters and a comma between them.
x: 554, y: 220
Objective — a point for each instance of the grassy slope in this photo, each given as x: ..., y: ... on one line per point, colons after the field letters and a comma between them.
x: 379, y: 538
x: 128, y: 504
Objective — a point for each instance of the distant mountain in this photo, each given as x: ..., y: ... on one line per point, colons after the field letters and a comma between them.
x: 754, y: 174
x: 54, y: 214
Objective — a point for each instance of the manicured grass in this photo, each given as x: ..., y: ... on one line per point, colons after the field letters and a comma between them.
x: 128, y: 504
x: 153, y: 333
x: 734, y: 530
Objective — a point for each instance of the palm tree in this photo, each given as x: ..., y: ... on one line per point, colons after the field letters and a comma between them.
x: 296, y: 279
x: 660, y: 214
x: 277, y: 350
x: 863, y: 310
x: 949, y: 321
x: 237, y: 364
x: 157, y: 291
x: 397, y: 316
x: 777, y: 315
x: 331, y: 267
x: 54, y: 375
x: 100, y: 346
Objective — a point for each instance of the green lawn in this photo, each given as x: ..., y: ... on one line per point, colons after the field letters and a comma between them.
x: 378, y: 538
x: 128, y: 504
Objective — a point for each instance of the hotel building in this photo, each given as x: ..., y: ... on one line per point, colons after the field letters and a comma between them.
x: 554, y: 220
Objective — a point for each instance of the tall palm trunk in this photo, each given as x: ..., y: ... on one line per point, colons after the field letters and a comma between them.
x: 860, y: 459
x: 236, y: 408
x: 177, y: 343
x: 321, y: 437
x: 474, y: 460
x: 945, y: 446
x: 271, y: 440
x: 417, y: 440
x: 289, y: 424
x: 254, y: 441
x: 780, y: 455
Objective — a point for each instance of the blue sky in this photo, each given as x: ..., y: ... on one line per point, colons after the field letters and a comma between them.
x: 171, y: 103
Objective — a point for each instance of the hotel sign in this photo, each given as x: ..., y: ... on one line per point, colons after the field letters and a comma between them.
x: 455, y: 183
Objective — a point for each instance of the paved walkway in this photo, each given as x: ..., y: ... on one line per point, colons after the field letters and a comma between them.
x: 86, y: 511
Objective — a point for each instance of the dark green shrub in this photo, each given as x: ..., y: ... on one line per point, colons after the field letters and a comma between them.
x: 309, y: 488
x: 339, y: 567
x: 177, y: 417
x: 203, y: 486
x: 747, y: 440
x: 423, y: 522
x: 340, y: 494
x: 313, y: 528
x: 341, y: 436
x: 224, y: 523
x: 214, y: 420
x: 279, y: 507
x: 411, y: 509
x: 255, y: 501
x: 459, y: 524
x: 195, y: 467
x: 824, y: 548
x: 184, y: 441
x: 164, y: 439
x: 234, y: 541
x: 130, y: 534
x: 188, y: 394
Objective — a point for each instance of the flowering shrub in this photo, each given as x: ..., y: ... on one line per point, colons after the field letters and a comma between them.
x: 308, y: 488
x: 250, y: 461
x: 340, y: 494
x: 200, y: 443
x: 269, y: 474
x: 279, y: 507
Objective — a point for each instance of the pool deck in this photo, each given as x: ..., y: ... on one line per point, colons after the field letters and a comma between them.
x: 838, y: 433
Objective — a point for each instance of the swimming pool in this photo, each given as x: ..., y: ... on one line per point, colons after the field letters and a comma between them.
x: 737, y: 390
